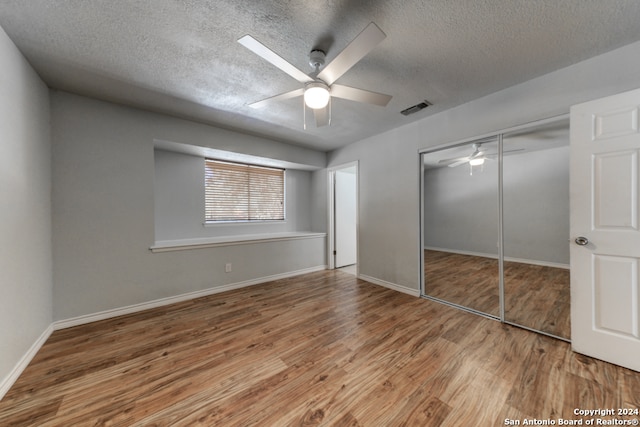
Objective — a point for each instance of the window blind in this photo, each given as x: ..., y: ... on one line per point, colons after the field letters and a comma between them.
x: 242, y: 192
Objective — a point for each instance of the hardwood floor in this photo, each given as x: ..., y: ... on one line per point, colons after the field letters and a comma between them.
x: 536, y: 296
x: 319, y: 349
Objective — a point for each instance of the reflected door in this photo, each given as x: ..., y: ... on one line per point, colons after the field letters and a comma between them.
x: 461, y: 226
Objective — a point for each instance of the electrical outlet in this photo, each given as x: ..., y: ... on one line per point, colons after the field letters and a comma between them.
x: 227, y: 267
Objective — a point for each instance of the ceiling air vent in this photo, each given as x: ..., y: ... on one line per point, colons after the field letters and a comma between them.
x: 415, y: 108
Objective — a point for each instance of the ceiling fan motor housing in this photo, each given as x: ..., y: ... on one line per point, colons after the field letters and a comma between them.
x: 316, y: 59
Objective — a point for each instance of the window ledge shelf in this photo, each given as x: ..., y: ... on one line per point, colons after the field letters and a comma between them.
x: 213, y: 242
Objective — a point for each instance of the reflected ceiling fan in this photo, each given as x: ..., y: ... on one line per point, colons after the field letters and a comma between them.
x: 319, y: 85
x: 476, y: 158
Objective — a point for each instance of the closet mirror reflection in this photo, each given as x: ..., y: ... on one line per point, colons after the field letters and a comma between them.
x: 535, y: 195
x: 461, y: 226
x: 501, y: 205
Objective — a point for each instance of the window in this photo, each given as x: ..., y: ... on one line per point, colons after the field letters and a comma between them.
x: 241, y: 192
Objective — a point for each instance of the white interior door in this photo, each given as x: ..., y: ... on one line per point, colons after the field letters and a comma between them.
x: 345, y: 217
x: 605, y: 290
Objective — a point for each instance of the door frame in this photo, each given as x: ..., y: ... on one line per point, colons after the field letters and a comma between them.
x: 331, y: 214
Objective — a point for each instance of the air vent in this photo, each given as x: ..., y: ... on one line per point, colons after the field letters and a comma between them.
x: 415, y: 108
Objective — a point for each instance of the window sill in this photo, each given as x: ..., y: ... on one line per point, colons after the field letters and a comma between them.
x: 213, y: 242
x: 249, y: 223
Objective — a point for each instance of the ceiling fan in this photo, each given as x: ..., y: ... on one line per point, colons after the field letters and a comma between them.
x: 319, y: 85
x: 476, y: 158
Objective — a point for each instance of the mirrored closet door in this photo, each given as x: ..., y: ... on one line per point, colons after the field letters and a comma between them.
x: 495, y: 215
x: 535, y: 200
x: 461, y: 226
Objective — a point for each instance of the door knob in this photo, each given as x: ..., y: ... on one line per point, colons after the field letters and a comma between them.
x: 581, y: 241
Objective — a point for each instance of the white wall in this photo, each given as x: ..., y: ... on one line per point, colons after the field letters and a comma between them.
x: 179, y: 201
x: 319, y: 194
x: 389, y: 163
x: 25, y: 217
x: 103, y: 211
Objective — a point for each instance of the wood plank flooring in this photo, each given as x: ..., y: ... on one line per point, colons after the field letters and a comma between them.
x: 536, y: 296
x: 319, y: 349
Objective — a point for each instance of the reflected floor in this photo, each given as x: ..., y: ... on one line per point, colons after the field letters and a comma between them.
x: 535, y: 296
x: 465, y: 280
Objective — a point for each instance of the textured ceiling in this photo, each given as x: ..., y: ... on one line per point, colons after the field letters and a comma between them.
x: 182, y: 57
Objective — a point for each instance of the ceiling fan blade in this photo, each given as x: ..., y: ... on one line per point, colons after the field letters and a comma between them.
x: 476, y: 154
x: 322, y: 116
x: 354, y: 52
x: 359, y: 95
x: 453, y: 160
x: 281, y: 97
x: 459, y: 162
x: 270, y: 56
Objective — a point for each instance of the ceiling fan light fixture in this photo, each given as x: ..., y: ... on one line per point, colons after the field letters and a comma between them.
x: 477, y: 161
x: 316, y: 95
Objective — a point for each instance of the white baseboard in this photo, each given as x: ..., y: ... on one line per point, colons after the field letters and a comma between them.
x: 107, y: 314
x: 461, y: 252
x: 392, y: 286
x: 536, y: 262
x: 10, y: 379
x: 495, y: 256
